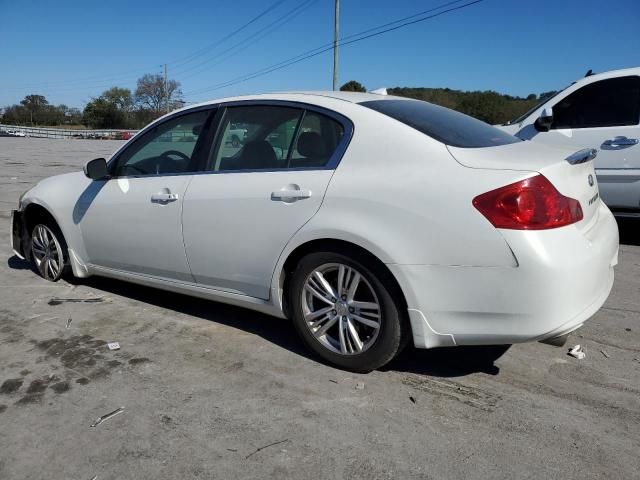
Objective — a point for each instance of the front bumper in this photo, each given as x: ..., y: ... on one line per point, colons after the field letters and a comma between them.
x: 563, y: 277
x: 18, y: 234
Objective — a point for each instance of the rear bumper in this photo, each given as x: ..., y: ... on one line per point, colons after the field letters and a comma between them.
x: 563, y: 277
x: 18, y: 234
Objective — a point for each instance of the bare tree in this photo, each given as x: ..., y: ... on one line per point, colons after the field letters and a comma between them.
x: 152, y: 94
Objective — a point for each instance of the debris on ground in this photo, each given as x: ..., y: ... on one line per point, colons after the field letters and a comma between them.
x: 333, y: 381
x: 232, y: 449
x: 604, y: 352
x: 413, y: 400
x: 60, y: 301
x: 360, y: 386
x: 68, y: 322
x: 106, y: 417
x: 113, y: 346
x: 577, y: 352
x: 628, y: 329
x: 267, y: 446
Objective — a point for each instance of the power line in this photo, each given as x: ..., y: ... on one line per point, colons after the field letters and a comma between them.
x: 127, y: 73
x: 322, y: 49
x: 203, y: 50
x: 246, y: 43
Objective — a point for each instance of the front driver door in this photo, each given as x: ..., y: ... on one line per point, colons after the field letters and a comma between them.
x: 257, y: 193
x: 132, y: 222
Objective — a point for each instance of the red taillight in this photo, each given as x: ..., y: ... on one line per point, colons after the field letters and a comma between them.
x: 531, y: 204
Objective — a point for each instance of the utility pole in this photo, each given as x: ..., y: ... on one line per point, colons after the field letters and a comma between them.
x: 166, y: 91
x: 336, y: 35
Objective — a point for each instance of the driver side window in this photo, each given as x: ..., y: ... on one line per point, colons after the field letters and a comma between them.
x: 168, y: 148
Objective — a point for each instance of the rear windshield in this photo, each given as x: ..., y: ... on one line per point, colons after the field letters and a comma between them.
x: 447, y: 126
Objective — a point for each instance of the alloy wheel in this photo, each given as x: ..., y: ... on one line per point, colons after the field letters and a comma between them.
x: 341, y: 309
x: 47, y: 252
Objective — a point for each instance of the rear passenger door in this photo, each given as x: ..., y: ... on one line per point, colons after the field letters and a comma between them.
x: 255, y: 194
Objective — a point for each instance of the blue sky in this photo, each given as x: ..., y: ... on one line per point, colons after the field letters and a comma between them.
x: 70, y: 51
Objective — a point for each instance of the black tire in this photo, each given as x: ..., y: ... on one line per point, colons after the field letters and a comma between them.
x: 59, y: 241
x: 393, y: 329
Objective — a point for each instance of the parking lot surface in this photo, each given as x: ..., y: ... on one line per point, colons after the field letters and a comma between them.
x: 213, y: 391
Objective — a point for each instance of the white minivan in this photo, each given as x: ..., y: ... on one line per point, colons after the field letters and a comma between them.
x: 601, y: 112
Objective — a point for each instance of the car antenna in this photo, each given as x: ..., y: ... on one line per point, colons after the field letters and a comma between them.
x: 589, y: 73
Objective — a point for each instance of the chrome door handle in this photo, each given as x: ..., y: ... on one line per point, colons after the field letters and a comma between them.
x: 618, y: 141
x: 164, y: 197
x: 290, y: 195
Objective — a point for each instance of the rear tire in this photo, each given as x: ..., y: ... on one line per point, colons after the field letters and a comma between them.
x: 49, y: 255
x: 344, y: 310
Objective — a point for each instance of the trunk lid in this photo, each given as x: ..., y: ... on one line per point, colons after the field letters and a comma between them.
x: 576, y: 180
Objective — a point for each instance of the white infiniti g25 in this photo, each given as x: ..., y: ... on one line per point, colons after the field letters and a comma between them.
x: 366, y: 219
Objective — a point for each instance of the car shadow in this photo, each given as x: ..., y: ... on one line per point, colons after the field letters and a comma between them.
x: 17, y: 263
x: 629, y: 229
x: 449, y: 361
x: 441, y: 362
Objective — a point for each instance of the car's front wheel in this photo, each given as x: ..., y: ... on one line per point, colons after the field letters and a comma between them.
x: 48, y: 251
x: 345, y: 311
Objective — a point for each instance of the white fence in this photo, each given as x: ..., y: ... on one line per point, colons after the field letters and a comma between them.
x: 107, y: 134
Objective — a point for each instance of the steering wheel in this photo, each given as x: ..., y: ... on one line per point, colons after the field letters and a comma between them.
x: 133, y: 167
x: 176, y: 153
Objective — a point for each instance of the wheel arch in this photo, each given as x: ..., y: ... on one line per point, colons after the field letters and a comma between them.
x: 34, y: 212
x: 337, y: 246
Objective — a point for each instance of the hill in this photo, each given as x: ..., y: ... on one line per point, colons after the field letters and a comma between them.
x: 489, y: 106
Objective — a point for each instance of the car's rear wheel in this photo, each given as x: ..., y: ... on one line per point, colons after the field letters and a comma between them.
x: 344, y: 311
x: 48, y: 251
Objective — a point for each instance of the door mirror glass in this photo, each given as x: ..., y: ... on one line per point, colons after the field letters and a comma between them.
x: 96, y: 169
x: 544, y: 121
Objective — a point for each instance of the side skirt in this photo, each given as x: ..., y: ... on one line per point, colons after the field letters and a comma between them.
x: 192, y: 289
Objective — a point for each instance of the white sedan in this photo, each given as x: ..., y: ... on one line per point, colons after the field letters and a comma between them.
x: 378, y: 220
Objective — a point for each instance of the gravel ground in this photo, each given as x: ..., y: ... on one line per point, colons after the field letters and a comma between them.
x: 213, y: 391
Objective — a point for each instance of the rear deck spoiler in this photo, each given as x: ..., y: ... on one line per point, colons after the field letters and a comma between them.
x: 582, y: 156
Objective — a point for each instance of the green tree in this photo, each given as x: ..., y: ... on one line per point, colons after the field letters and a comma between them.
x: 102, y: 113
x: 120, y: 97
x: 35, y: 105
x: 353, y: 86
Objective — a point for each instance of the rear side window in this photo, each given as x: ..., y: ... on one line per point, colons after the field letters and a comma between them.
x: 318, y: 138
x: 267, y: 137
x: 447, y: 126
x: 608, y: 103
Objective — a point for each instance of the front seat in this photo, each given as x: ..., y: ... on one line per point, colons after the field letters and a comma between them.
x: 257, y: 154
x: 313, y: 149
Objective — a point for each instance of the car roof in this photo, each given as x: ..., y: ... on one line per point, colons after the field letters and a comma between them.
x: 610, y: 74
x: 313, y: 97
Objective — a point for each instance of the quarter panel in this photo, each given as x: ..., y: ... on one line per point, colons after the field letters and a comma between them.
x: 404, y: 196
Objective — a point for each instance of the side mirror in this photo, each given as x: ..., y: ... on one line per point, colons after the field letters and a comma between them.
x: 544, y: 121
x: 96, y: 169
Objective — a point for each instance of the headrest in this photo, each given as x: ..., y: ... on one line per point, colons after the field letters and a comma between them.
x: 258, y: 154
x: 310, y: 144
